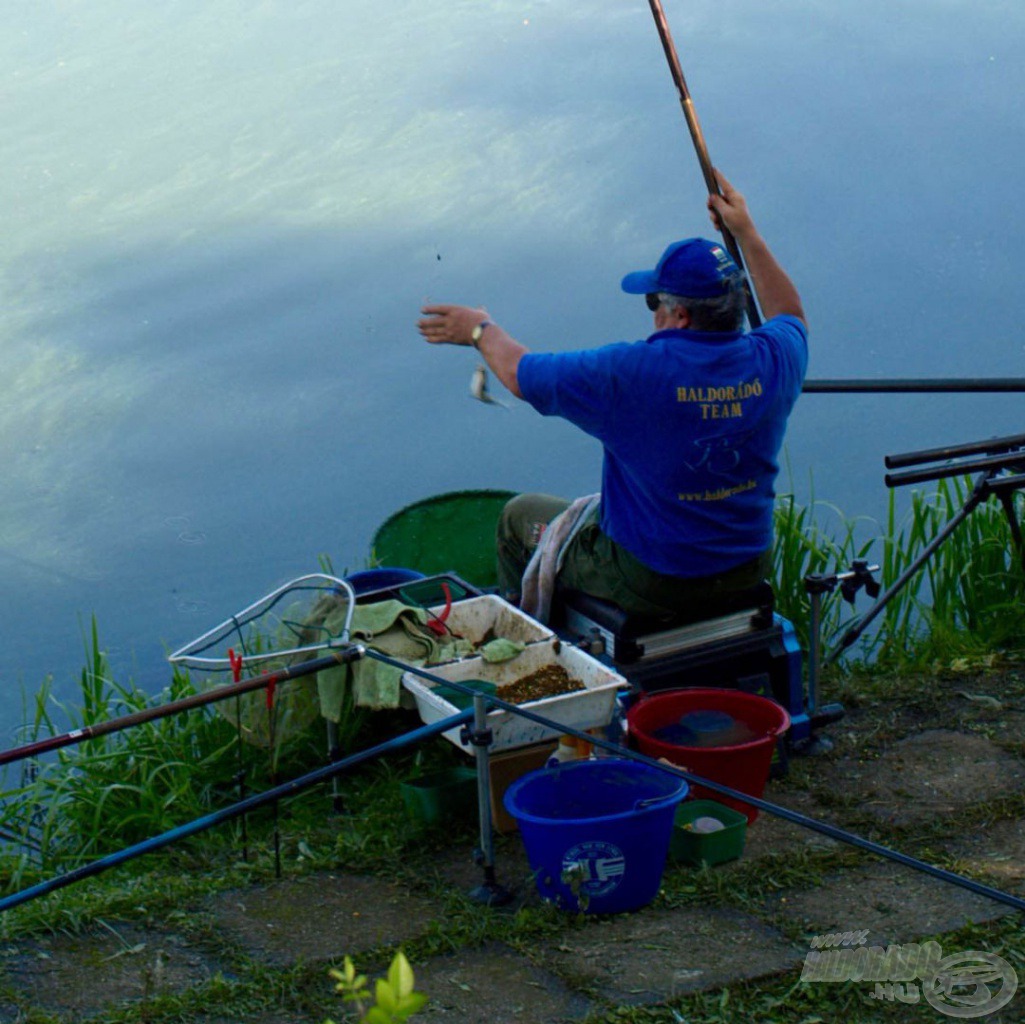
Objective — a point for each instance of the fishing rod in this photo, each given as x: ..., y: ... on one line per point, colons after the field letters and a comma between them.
x: 906, y: 385
x: 700, y: 147
x: 235, y: 810
x: 1000, y: 462
x: 443, y: 725
x: 795, y: 817
x: 341, y: 656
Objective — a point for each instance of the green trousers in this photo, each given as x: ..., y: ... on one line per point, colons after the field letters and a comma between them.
x: 597, y: 565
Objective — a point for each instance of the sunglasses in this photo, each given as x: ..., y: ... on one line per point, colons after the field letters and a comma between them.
x: 652, y: 301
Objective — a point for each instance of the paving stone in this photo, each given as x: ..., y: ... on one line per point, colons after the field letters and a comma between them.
x: 77, y: 976
x: 895, y: 904
x: 931, y: 775
x: 496, y: 985
x: 280, y: 1017
x: 656, y: 955
x: 772, y: 836
x: 456, y: 869
x: 322, y: 917
x: 999, y: 851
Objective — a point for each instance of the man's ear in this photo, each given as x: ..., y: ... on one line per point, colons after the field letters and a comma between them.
x: 681, y: 315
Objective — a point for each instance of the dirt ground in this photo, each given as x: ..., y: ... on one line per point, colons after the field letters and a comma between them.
x: 933, y: 768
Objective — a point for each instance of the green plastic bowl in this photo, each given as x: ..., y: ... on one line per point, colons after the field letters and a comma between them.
x: 697, y: 848
x: 444, y: 795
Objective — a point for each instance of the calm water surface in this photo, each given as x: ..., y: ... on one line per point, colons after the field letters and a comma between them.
x: 220, y: 220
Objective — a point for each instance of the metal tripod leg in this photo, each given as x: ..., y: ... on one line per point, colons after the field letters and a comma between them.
x: 978, y: 495
x: 814, y: 744
x: 332, y: 756
x: 489, y: 892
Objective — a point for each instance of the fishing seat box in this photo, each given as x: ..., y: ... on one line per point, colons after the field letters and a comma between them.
x: 743, y: 644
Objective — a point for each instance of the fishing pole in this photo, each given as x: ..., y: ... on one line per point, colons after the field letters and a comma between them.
x: 905, y: 385
x: 443, y: 725
x: 992, y: 458
x: 700, y: 146
x: 208, y: 821
x: 341, y: 656
x: 795, y: 817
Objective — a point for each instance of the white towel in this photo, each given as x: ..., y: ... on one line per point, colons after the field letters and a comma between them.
x: 538, y: 583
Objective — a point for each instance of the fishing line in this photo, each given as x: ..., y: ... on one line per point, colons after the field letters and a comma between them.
x: 240, y: 775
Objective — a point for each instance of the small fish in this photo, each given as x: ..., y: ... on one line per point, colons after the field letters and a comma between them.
x: 479, y: 387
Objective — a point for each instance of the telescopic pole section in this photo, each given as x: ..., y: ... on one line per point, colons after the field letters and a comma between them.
x: 908, y: 386
x: 700, y: 147
x: 344, y: 655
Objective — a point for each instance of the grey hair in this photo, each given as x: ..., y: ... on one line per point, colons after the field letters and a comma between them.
x: 722, y: 313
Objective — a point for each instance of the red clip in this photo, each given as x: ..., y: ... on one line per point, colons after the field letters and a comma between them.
x: 437, y: 626
x: 236, y: 664
x: 270, y: 693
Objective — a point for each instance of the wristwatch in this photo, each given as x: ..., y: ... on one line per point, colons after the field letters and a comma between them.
x: 477, y: 333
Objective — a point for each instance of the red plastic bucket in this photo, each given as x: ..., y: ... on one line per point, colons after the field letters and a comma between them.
x: 742, y: 766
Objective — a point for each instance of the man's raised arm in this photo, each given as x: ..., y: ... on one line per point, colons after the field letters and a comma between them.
x: 775, y: 291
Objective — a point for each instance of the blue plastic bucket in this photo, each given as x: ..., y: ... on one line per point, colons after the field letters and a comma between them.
x: 596, y: 832
x: 377, y: 579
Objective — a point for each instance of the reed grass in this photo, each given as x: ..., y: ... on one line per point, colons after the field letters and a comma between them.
x: 88, y: 800
x: 105, y: 793
x: 967, y: 597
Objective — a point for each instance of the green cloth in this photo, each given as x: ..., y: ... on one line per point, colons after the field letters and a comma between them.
x: 395, y: 629
x: 501, y: 649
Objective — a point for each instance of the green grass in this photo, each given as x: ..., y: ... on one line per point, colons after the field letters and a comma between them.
x: 84, y: 801
x: 966, y: 597
x: 106, y: 793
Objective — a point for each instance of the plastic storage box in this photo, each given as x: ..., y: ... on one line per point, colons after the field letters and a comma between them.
x: 589, y: 708
x: 506, y: 768
x: 477, y: 618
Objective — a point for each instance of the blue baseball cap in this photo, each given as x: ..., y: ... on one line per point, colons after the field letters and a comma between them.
x: 694, y: 267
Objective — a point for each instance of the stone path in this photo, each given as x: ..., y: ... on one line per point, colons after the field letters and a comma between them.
x: 644, y: 958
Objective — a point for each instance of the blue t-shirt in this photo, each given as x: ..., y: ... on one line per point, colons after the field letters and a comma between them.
x: 692, y: 424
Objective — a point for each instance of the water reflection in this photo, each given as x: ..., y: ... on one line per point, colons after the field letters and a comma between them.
x: 221, y: 219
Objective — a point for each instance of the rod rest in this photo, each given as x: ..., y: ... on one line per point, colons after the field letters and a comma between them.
x: 609, y: 616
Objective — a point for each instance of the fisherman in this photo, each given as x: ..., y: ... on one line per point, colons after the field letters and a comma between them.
x: 691, y: 419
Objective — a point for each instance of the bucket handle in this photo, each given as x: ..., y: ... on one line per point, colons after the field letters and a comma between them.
x: 645, y: 802
x: 648, y: 801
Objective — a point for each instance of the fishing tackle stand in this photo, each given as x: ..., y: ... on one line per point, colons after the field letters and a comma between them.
x: 816, y: 585
x: 743, y: 644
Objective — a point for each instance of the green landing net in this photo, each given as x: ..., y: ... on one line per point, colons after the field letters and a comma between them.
x: 301, y: 620
x: 452, y: 532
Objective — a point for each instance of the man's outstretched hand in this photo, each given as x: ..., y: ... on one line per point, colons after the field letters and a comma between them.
x: 450, y: 325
